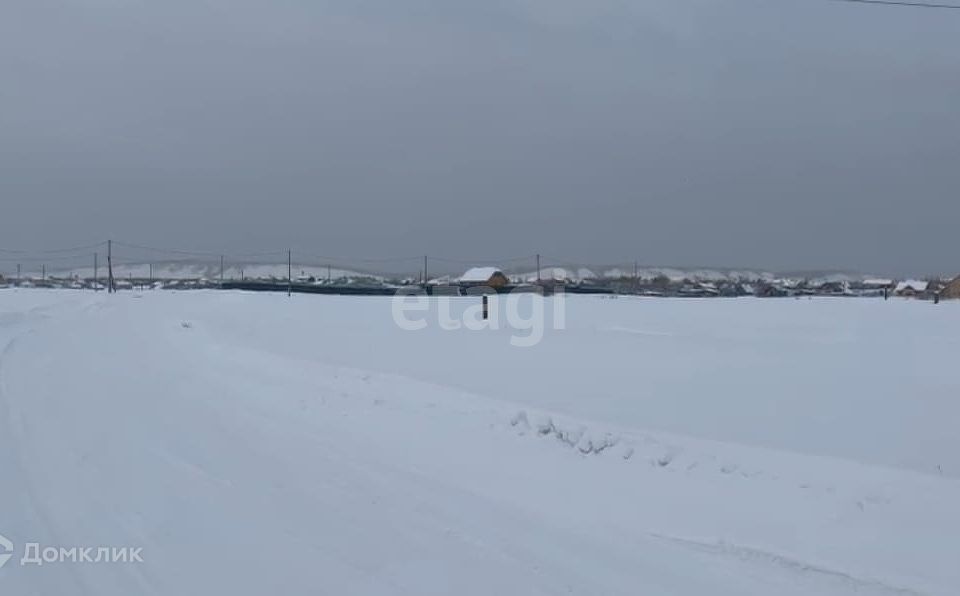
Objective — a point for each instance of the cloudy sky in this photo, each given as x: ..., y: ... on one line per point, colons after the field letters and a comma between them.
x: 782, y: 134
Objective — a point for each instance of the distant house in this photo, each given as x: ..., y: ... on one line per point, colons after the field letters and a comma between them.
x: 876, y: 283
x: 771, y: 290
x: 911, y: 287
x: 484, y: 276
x: 952, y: 289
x: 698, y: 289
x: 834, y: 288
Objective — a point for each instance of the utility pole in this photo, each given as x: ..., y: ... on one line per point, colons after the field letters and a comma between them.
x: 329, y: 274
x: 111, y: 288
x: 96, y: 265
x: 43, y: 272
x: 289, y: 272
x: 151, y: 274
x: 221, y: 271
x: 18, y: 274
x: 538, y: 267
x: 425, y: 278
x: 636, y: 278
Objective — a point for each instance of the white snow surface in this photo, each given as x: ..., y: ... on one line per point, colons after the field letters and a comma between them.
x: 479, y: 274
x: 913, y: 284
x: 212, y: 271
x: 559, y: 274
x: 255, y: 443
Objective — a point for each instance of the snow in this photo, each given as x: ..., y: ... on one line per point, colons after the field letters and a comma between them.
x: 558, y: 274
x: 254, y: 443
x: 479, y: 274
x: 211, y: 271
x: 917, y: 286
x: 679, y: 274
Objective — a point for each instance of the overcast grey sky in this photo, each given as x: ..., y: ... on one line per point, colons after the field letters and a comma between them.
x: 782, y: 134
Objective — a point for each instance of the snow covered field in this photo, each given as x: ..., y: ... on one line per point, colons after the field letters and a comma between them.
x: 255, y: 443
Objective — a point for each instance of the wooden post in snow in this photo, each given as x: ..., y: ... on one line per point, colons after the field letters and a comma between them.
x: 111, y: 288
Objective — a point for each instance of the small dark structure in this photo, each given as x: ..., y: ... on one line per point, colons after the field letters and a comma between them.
x: 490, y: 277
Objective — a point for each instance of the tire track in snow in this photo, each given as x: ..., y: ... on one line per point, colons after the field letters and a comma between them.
x: 38, y: 522
x: 758, y: 555
x: 13, y: 424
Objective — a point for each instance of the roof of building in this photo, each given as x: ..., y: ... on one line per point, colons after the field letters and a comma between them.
x: 480, y: 274
x: 913, y: 284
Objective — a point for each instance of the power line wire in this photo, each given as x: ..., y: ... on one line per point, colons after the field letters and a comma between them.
x: 477, y: 261
x: 52, y: 250
x: 196, y: 253
x: 327, y: 258
x: 903, y: 3
x: 26, y: 258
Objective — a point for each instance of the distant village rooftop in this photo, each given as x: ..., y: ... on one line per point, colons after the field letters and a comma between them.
x: 479, y: 274
x: 912, y: 285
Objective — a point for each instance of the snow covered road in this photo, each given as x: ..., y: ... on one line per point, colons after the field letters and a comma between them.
x: 255, y: 443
